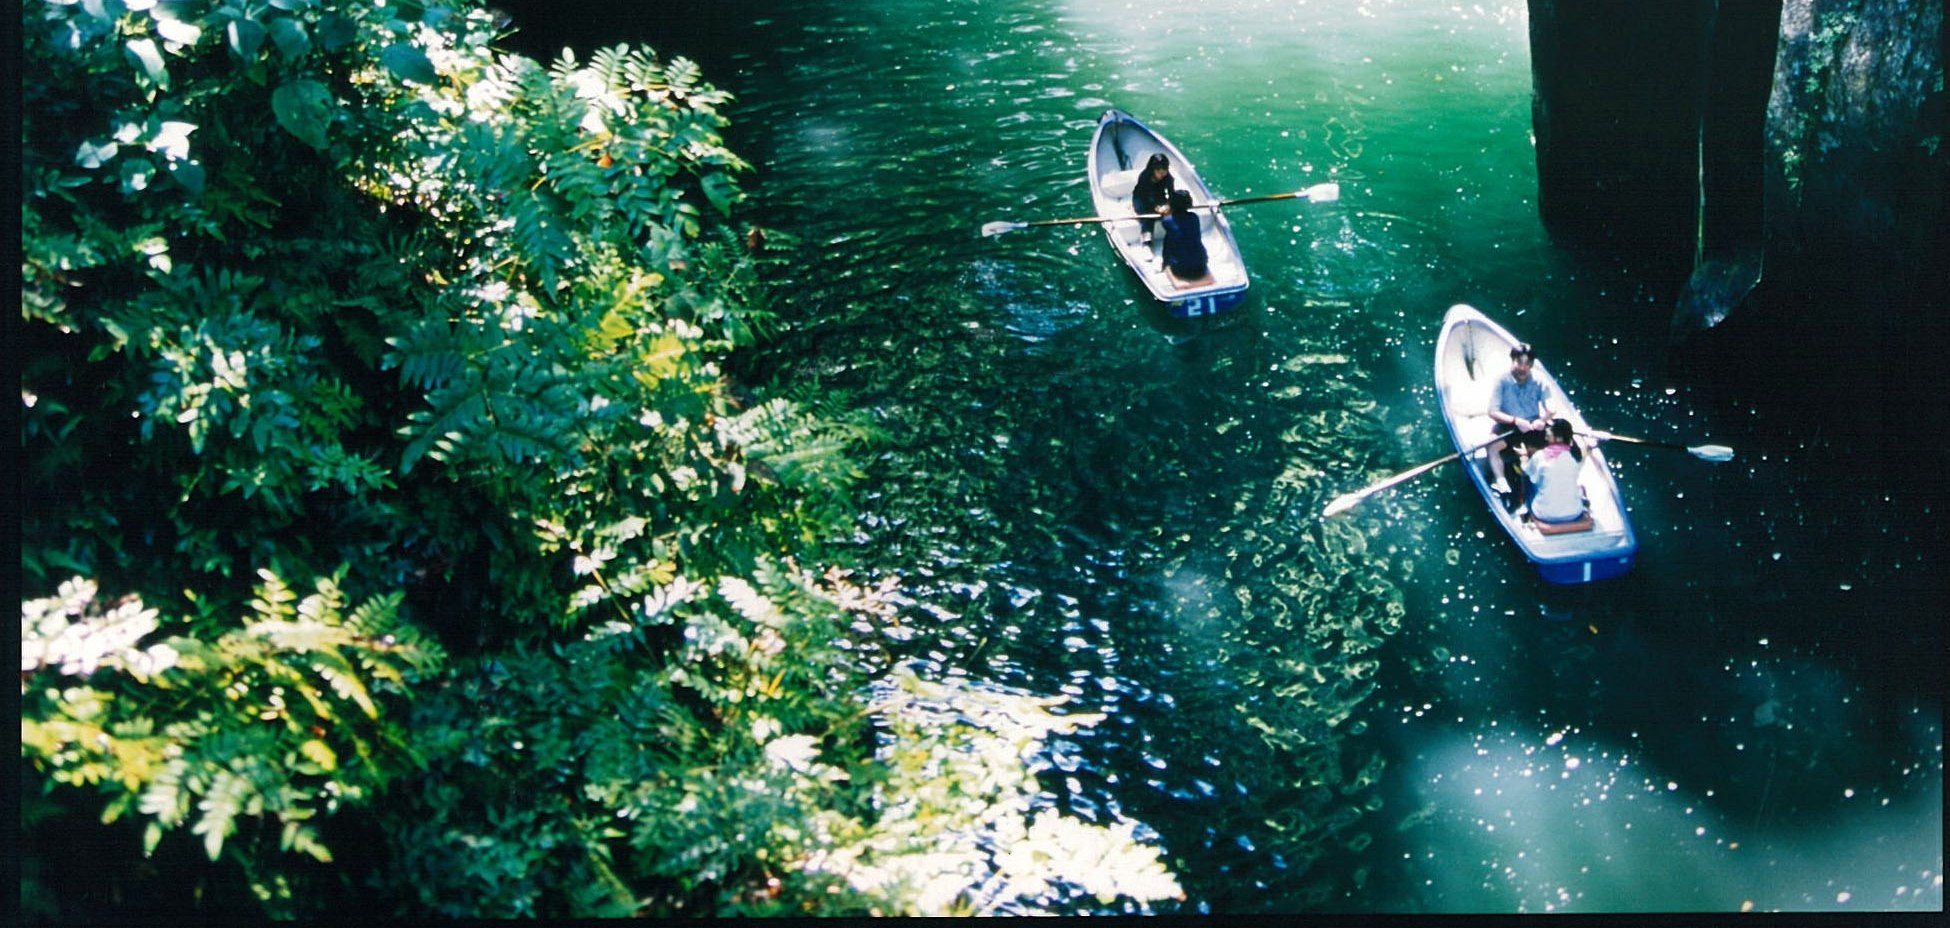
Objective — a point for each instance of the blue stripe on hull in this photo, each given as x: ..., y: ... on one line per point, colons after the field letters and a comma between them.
x: 1603, y: 568
x: 1212, y: 305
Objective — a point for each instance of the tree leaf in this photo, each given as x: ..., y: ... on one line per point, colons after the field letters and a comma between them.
x: 289, y: 35
x: 721, y: 190
x: 172, y: 139
x: 189, y: 174
x: 304, y: 108
x: 92, y: 156
x: 144, y: 54
x: 335, y: 31
x: 246, y: 38
x: 320, y: 753
x: 408, y: 63
x: 137, y: 173
x: 173, y: 29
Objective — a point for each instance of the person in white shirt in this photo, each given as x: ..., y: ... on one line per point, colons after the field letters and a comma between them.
x: 1553, y: 473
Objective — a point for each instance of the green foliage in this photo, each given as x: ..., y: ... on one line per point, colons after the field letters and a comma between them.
x: 351, y: 295
x: 694, y: 778
x: 743, y: 776
x: 268, y: 725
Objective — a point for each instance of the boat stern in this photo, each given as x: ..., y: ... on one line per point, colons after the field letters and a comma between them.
x: 1207, y: 303
x: 1567, y: 573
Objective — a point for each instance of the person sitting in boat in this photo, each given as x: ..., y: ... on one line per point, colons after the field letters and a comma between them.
x: 1553, y: 472
x: 1184, y: 245
x: 1151, y: 192
x: 1520, y: 411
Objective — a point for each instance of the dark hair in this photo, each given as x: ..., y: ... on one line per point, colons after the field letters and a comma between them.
x: 1523, y: 351
x: 1180, y: 201
x: 1158, y: 160
x: 1561, y: 430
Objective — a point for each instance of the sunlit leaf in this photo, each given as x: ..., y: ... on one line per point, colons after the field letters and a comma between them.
x: 92, y: 156
x: 145, y: 56
x: 172, y: 139
x: 318, y: 752
x: 180, y: 31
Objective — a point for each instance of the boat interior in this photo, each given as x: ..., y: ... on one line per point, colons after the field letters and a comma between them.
x: 1468, y: 394
x: 1225, y: 268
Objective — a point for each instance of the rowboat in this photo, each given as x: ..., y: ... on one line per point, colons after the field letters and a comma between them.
x: 1471, y: 354
x: 1118, y: 152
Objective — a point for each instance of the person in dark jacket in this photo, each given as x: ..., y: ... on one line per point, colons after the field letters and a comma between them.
x: 1184, y: 246
x: 1153, y: 186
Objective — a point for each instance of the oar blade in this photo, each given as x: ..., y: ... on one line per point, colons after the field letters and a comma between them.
x: 1342, y: 503
x: 1324, y: 193
x: 997, y: 228
x: 1718, y: 454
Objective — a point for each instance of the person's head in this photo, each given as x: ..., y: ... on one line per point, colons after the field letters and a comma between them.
x: 1180, y: 201
x: 1158, y: 166
x: 1521, y: 358
x: 1561, y: 431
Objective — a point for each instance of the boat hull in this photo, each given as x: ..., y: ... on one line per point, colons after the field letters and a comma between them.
x: 1472, y: 354
x: 1118, y: 152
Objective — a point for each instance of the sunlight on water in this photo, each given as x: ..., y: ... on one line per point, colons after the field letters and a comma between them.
x: 1558, y: 821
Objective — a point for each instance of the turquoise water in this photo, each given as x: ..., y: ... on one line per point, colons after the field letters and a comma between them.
x: 1387, y: 712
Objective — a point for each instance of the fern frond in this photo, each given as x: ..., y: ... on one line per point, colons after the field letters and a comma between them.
x: 429, y: 355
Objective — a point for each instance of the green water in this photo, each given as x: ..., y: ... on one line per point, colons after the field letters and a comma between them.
x: 1387, y: 712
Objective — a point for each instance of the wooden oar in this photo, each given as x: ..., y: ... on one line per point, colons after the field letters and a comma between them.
x: 1715, y: 453
x: 1346, y: 501
x: 1318, y: 193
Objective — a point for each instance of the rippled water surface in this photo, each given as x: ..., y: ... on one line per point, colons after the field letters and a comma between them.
x: 1386, y: 712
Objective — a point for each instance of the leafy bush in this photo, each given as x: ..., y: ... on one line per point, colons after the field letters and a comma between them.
x: 348, y: 301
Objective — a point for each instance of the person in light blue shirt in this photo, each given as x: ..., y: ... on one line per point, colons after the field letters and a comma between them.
x: 1520, y: 409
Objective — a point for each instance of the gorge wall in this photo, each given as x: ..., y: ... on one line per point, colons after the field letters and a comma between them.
x: 1700, y: 142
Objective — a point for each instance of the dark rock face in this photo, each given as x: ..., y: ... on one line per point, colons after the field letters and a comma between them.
x: 1700, y: 141
x: 1854, y: 169
x: 1615, y: 109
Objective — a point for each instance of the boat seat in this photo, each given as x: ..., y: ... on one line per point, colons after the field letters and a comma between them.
x: 1472, y: 398
x: 1223, y: 267
x: 1183, y: 284
x: 1119, y: 183
x: 1469, y: 406
x: 1583, y: 524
